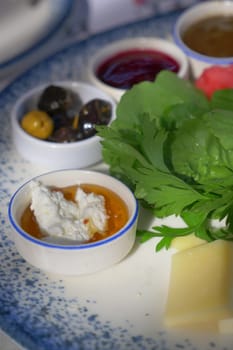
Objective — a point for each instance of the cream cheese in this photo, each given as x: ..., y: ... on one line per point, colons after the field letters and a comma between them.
x: 62, y: 218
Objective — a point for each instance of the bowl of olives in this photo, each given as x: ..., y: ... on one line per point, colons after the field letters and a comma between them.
x: 54, y: 125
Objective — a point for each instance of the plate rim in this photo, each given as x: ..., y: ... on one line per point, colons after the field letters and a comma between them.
x: 67, y: 6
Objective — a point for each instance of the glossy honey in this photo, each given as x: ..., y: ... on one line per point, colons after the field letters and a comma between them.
x: 211, y: 36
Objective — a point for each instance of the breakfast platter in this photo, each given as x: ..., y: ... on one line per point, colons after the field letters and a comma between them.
x: 119, y: 308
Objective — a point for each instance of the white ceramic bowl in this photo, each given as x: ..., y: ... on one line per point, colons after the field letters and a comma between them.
x: 108, y: 51
x: 199, y: 62
x: 74, y: 259
x: 53, y: 155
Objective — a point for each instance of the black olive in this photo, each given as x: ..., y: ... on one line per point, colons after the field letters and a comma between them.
x: 56, y: 99
x: 95, y: 112
x: 64, y: 134
x: 61, y: 120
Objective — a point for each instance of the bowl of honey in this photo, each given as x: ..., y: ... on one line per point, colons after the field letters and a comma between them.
x: 73, y: 222
x: 204, y: 32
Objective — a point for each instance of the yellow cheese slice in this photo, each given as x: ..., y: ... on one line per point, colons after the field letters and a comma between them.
x: 185, y: 242
x: 201, y: 285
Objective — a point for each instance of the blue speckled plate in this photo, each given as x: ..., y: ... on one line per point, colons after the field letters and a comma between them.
x: 120, y: 308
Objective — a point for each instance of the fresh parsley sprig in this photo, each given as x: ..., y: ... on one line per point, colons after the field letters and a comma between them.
x: 174, y: 148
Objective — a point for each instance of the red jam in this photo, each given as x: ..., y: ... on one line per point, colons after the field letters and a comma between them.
x: 133, y: 66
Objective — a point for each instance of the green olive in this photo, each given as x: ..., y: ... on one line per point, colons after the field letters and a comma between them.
x: 38, y: 124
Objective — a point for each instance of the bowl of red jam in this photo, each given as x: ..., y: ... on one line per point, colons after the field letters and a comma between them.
x: 116, y: 67
x: 204, y: 32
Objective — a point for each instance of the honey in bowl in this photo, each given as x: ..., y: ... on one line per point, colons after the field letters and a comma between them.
x: 133, y: 66
x: 212, y: 36
x: 116, y: 209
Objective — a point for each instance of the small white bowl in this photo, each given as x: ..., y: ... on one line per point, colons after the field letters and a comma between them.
x: 198, y: 62
x: 73, y: 259
x: 141, y: 43
x: 54, y: 155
